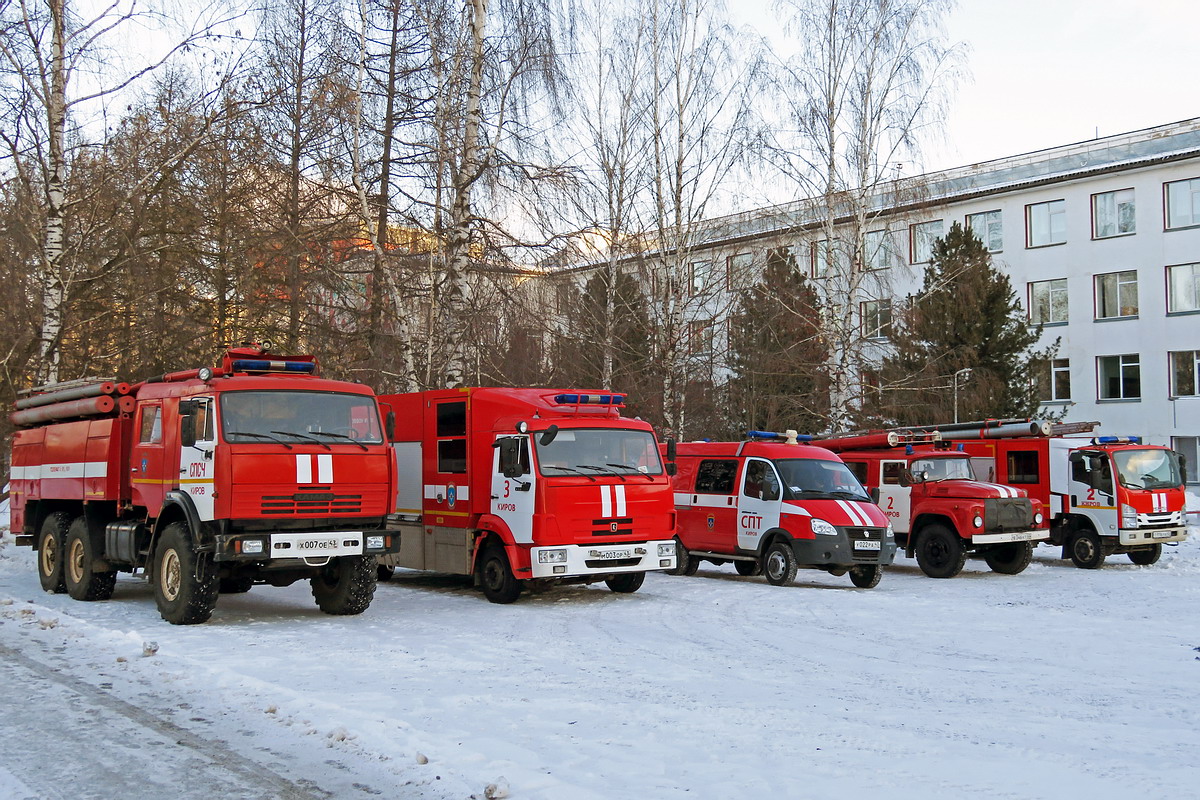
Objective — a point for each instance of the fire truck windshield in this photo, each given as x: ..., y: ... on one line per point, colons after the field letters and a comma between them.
x: 811, y: 478
x: 941, y: 469
x: 599, y: 451
x: 1148, y: 469
x: 299, y: 417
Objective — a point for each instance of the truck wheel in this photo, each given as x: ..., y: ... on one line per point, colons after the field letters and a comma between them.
x: 747, y: 569
x: 345, y: 585
x: 626, y: 583
x: 940, y: 554
x: 236, y: 585
x: 779, y: 565
x: 50, y: 552
x: 1086, y: 552
x: 1144, y: 558
x: 385, y: 573
x: 83, y: 581
x: 182, y: 597
x: 496, y: 576
x: 866, y: 576
x: 1009, y: 559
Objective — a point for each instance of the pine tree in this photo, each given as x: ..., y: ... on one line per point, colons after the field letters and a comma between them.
x: 776, y: 352
x: 966, y: 316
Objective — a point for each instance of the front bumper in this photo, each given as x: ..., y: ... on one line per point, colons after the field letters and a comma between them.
x: 850, y: 546
x: 602, y: 559
x: 1131, y: 537
x: 1036, y: 535
x: 314, y: 548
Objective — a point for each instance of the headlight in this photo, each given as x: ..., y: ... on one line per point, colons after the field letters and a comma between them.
x: 1128, y: 516
x: 666, y: 550
x: 552, y: 556
x: 252, y: 546
x: 374, y: 542
x: 978, y: 521
x: 1037, y: 518
x: 823, y: 528
x: 891, y: 531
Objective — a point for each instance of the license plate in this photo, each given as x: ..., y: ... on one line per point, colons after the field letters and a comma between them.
x: 316, y: 545
x: 868, y: 544
x: 615, y: 554
x: 1163, y: 534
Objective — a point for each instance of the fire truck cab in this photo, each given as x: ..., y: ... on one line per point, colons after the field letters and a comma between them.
x: 771, y: 505
x: 1105, y: 495
x: 528, y: 487
x: 939, y: 512
x: 208, y: 481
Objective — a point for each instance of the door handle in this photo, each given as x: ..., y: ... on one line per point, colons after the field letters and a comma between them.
x: 133, y: 469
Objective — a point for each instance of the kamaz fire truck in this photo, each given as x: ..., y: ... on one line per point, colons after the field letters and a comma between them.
x: 528, y: 487
x: 207, y: 480
x: 1104, y: 495
x: 772, y: 504
x: 939, y: 512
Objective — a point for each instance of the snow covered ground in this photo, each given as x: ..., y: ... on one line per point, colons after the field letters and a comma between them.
x: 1055, y: 683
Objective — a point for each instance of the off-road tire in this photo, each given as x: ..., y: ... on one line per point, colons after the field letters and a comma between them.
x: 1146, y: 557
x: 83, y: 580
x: 866, y: 576
x: 51, y: 539
x: 626, y: 583
x: 239, y: 585
x: 748, y: 569
x: 1009, y: 559
x: 345, y: 585
x: 496, y: 576
x: 182, y: 597
x: 779, y: 563
x: 1086, y: 550
x: 940, y: 553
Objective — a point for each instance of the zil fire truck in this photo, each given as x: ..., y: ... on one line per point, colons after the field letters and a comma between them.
x: 208, y: 481
x: 772, y: 504
x: 939, y: 512
x: 528, y: 487
x: 1105, y: 495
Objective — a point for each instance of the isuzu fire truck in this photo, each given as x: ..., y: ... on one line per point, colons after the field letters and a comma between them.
x: 939, y: 512
x: 1104, y: 495
x: 771, y: 505
x: 208, y: 481
x: 528, y: 487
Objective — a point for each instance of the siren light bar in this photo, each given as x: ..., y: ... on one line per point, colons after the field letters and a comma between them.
x: 590, y: 399
x: 265, y: 365
x: 1117, y: 440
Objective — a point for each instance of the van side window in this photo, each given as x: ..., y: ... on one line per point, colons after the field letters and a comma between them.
x: 716, y: 477
x: 1023, y: 466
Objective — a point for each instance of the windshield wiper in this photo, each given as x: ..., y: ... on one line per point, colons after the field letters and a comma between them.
x: 851, y: 496
x: 350, y: 439
x: 568, y: 469
x: 303, y: 436
x: 275, y: 439
x: 605, y: 470
x: 634, y: 470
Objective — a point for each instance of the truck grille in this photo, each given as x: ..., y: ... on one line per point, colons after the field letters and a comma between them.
x: 311, y: 503
x: 616, y: 526
x: 862, y: 534
x: 601, y: 563
x: 1007, y: 514
x: 1162, y: 520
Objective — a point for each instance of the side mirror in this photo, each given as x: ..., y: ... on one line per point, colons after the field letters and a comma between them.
x: 548, y: 435
x: 510, y: 457
x: 671, y: 468
x: 1180, y: 462
x: 875, y: 495
x: 906, y: 478
x: 672, y: 450
x: 389, y: 425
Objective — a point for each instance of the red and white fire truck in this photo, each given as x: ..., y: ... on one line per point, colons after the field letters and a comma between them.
x: 939, y: 512
x: 528, y: 487
x: 208, y: 480
x: 1104, y: 495
x: 772, y: 504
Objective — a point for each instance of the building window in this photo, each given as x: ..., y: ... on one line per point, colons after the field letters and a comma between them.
x: 1183, y: 203
x: 1183, y: 288
x: 824, y: 259
x: 1117, y: 295
x: 1054, y: 381
x: 880, y: 250
x: 1189, y: 448
x: 1046, y: 223
x: 737, y: 269
x: 1185, y: 367
x: 987, y: 226
x: 700, y: 336
x: 876, y: 319
x: 922, y: 236
x: 1048, y: 301
x: 699, y: 277
x: 1112, y: 214
x: 1120, y: 377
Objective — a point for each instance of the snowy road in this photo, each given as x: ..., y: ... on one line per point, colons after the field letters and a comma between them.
x: 1054, y: 683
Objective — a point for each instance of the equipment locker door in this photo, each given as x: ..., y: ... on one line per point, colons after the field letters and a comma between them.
x: 196, y: 469
x: 895, y: 500
x: 758, y: 502
x: 513, y: 494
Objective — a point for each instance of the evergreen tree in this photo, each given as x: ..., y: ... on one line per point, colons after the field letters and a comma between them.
x: 966, y: 316
x: 776, y: 352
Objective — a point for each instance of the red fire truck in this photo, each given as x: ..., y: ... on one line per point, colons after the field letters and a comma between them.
x: 528, y: 487
x: 772, y: 504
x: 939, y: 512
x: 208, y: 481
x: 1105, y: 495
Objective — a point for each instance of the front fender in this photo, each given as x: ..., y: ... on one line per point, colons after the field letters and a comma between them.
x: 182, y: 503
x: 491, y: 526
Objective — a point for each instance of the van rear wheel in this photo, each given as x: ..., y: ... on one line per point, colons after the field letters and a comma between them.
x: 747, y: 569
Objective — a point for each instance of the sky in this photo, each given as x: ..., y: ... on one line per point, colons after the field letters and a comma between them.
x: 1045, y: 73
